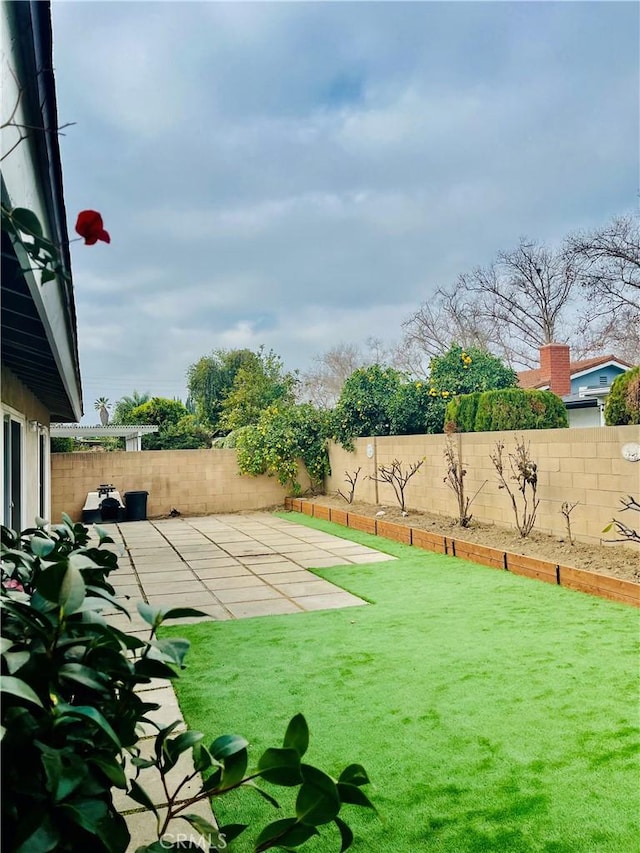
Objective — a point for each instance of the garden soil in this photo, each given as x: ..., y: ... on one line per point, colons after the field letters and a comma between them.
x: 618, y: 560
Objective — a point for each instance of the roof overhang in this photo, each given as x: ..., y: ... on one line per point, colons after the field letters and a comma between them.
x: 611, y: 363
x: 39, y: 335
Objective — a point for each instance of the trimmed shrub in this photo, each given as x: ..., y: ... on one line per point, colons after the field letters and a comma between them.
x: 462, y: 411
x: 507, y: 409
x: 519, y: 408
x: 623, y: 403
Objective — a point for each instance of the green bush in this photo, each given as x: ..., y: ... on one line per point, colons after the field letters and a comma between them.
x: 364, y: 405
x: 462, y: 410
x: 507, y: 409
x: 623, y: 403
x: 519, y: 408
x: 72, y: 711
x: 282, y: 438
x: 414, y: 411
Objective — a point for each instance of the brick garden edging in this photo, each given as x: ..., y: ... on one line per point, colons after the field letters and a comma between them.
x: 603, y: 586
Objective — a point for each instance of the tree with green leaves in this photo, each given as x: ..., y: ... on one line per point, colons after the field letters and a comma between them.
x: 623, y: 403
x: 283, y: 437
x: 463, y: 371
x: 364, y: 406
x: 258, y: 383
x: 211, y: 378
x: 125, y: 405
x: 178, y: 430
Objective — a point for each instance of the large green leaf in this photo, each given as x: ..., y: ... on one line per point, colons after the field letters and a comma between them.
x: 226, y: 745
x: 18, y: 687
x: 281, y: 767
x: 41, y: 547
x: 111, y: 769
x: 43, y: 839
x: 174, y: 748
x: 297, y: 735
x: 232, y: 830
x: 62, y: 584
x: 353, y: 795
x: 318, y: 801
x: 174, y: 649
x: 87, y: 813
x: 354, y: 774
x: 65, y: 771
x: 235, y: 766
x: 84, y: 675
x: 86, y: 712
x: 27, y: 221
x: 345, y: 834
x: 284, y: 833
x: 138, y: 794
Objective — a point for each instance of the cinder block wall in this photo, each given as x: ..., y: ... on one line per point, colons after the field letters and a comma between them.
x: 195, y: 482
x: 584, y: 465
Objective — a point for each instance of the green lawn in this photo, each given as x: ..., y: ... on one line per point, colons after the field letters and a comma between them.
x: 492, y: 712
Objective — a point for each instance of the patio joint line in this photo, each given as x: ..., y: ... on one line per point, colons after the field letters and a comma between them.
x: 195, y: 576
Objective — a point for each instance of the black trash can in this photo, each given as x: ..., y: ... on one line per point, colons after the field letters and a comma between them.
x: 136, y: 504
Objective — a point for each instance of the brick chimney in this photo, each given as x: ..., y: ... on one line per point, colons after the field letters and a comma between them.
x: 555, y: 364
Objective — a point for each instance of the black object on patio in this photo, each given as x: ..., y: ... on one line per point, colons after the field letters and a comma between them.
x: 136, y: 504
x: 109, y: 508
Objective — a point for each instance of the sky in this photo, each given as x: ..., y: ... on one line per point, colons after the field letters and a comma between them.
x: 297, y: 175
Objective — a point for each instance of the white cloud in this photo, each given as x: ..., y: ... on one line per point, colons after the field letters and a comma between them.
x: 296, y: 175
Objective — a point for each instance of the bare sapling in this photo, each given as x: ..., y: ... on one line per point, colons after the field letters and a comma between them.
x: 397, y: 478
x: 523, y: 471
x: 455, y: 480
x: 566, y: 509
x: 352, y: 479
x: 625, y: 533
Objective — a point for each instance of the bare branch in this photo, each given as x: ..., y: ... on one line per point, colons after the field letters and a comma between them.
x: 397, y: 478
x: 352, y: 479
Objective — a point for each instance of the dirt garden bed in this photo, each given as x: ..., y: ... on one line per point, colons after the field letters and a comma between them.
x: 615, y: 560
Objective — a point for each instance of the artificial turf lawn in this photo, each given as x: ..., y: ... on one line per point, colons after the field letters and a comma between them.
x: 492, y: 712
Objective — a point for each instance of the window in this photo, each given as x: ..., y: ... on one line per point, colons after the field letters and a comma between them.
x: 12, y: 472
x: 603, y: 381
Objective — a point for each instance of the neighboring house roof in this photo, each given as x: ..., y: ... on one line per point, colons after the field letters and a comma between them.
x: 540, y: 379
x: 39, y: 334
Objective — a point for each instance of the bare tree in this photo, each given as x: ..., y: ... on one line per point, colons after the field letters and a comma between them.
x: 510, y: 308
x: 624, y: 531
x: 608, y: 264
x: 455, y: 481
x: 524, y: 472
x: 566, y: 509
x: 352, y: 479
x: 448, y: 317
x: 397, y: 478
x: 322, y: 383
x: 525, y: 295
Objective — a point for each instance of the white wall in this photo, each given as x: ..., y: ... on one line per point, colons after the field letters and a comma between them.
x: 590, y: 417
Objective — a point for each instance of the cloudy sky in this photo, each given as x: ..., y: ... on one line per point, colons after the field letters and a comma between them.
x: 301, y: 174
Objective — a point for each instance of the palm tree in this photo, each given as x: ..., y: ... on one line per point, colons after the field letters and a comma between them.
x: 103, y: 405
x: 127, y: 404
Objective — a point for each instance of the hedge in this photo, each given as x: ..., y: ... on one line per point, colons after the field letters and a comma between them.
x: 623, y: 403
x: 507, y: 409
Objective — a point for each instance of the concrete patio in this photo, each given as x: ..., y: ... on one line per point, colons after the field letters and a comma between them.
x: 231, y: 567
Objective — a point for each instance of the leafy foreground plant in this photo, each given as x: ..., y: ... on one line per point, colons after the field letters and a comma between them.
x: 71, y: 716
